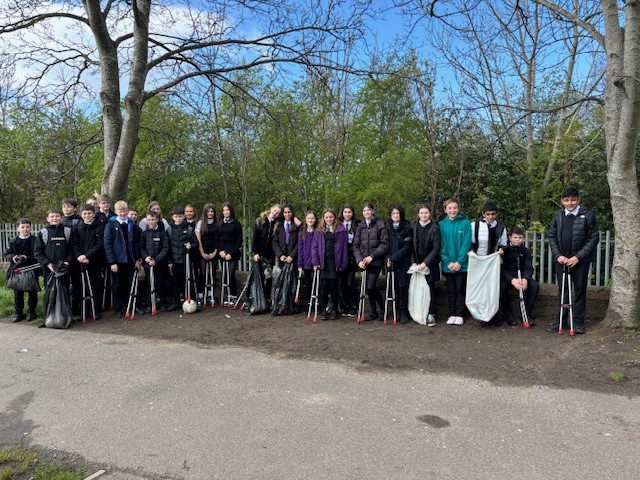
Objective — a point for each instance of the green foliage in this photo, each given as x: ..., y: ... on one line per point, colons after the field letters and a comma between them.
x: 617, y: 376
x: 26, y: 462
x: 318, y: 142
x: 43, y: 156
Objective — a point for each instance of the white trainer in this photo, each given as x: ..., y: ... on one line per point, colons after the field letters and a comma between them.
x: 451, y: 321
x: 459, y: 321
x: 431, y: 320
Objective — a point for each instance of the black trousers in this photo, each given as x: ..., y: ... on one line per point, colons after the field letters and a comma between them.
x: 121, y: 286
x: 456, y: 292
x: 530, y: 295
x: 348, y: 291
x: 375, y: 297
x: 18, y: 301
x: 95, y: 278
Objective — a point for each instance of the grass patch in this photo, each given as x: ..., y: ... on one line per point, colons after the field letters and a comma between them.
x: 6, y: 300
x: 616, y: 376
x: 19, y: 462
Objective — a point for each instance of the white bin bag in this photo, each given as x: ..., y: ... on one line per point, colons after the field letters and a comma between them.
x: 419, y: 295
x: 483, y: 286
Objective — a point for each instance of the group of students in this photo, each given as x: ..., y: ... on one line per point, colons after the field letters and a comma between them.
x: 111, y: 243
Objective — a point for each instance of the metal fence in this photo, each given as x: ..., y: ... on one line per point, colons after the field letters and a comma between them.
x: 538, y: 243
x: 599, y: 271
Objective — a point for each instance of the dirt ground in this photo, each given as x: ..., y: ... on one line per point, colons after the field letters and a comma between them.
x: 501, y: 355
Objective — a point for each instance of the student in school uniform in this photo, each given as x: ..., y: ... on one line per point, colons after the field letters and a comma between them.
x: 370, y: 247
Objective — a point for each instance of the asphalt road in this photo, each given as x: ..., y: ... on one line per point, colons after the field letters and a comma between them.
x: 148, y: 409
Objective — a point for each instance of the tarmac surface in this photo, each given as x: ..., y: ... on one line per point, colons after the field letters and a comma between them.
x: 147, y: 409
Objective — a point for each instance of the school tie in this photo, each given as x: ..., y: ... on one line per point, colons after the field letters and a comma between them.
x: 287, y: 233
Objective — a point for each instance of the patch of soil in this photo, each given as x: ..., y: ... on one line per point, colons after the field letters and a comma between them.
x: 502, y: 355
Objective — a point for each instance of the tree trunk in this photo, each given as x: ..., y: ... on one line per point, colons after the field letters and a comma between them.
x: 118, y: 158
x: 622, y: 121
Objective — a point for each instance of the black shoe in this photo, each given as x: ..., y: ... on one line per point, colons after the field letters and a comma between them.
x: 173, y: 307
x: 579, y: 328
x: 118, y: 314
x: 373, y: 316
x: 31, y: 316
x: 18, y: 317
x: 494, y: 322
x: 326, y: 316
x: 352, y: 311
x: 511, y: 321
x: 553, y: 328
x: 334, y: 315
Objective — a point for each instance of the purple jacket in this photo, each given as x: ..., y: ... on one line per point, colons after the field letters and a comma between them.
x: 304, y: 249
x: 339, y: 249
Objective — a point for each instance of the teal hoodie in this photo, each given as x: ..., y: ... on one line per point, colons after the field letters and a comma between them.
x: 456, y: 241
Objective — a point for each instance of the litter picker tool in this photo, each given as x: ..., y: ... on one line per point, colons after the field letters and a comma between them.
x: 152, y: 291
x: 566, y: 282
x: 107, y: 293
x: 87, y: 295
x: 30, y: 268
x: 244, y: 289
x: 296, y: 299
x: 313, y: 300
x: 133, y: 297
x: 209, y: 284
x: 363, y: 295
x: 523, y: 306
x: 189, y: 305
x: 390, y: 296
x: 225, y: 290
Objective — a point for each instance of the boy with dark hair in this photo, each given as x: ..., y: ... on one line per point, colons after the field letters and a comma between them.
x: 516, y: 258
x: 489, y: 235
x: 573, y: 238
x: 88, y: 251
x: 20, y: 252
x: 69, y: 211
x: 182, y: 239
x: 154, y: 251
x: 133, y: 214
x: 121, y: 238
x: 53, y: 250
